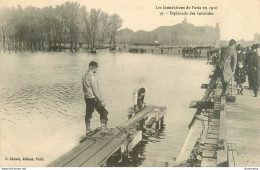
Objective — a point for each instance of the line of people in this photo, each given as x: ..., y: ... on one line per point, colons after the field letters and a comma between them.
x: 236, y: 61
x: 190, y: 52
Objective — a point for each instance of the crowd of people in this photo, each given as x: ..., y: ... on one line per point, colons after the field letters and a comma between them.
x: 190, y: 52
x: 240, y: 63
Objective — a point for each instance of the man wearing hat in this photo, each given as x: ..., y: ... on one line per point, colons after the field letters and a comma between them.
x: 93, y: 98
x: 227, y: 65
x: 256, y: 68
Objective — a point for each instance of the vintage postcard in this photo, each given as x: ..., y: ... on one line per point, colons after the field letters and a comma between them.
x: 120, y: 83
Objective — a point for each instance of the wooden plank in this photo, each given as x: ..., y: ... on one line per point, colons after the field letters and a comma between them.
x: 235, y: 156
x: 215, y: 120
x: 211, y: 141
x: 87, y: 154
x: 214, y: 127
x: 213, y: 131
x: 222, y: 157
x: 223, y: 126
x: 190, y: 141
x: 208, y: 162
x: 105, y: 152
x: 211, y: 147
x: 136, y: 138
x: 138, y: 116
x: 204, y: 86
x: 209, y: 154
x: 74, y: 152
x: 193, y: 104
x: 213, y: 123
x: 212, y: 136
x: 231, y: 162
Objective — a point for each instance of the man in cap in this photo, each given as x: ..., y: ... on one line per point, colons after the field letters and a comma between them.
x: 227, y: 65
x: 93, y: 98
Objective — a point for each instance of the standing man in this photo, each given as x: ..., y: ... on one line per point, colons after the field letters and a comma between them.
x: 248, y: 65
x: 93, y: 98
x: 227, y: 65
x: 256, y: 68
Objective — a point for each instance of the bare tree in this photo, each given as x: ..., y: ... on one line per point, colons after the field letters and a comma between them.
x: 103, y: 27
x: 115, y: 24
x: 4, y: 23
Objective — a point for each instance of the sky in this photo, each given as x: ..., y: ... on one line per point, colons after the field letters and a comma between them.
x: 238, y: 19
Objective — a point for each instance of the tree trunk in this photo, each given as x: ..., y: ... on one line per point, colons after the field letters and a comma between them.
x: 71, y: 43
x: 65, y: 41
x: 4, y: 42
x: 114, y: 39
x: 49, y: 40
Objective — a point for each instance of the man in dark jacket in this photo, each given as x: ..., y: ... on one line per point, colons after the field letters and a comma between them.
x: 248, y: 65
x: 227, y: 65
x: 256, y: 68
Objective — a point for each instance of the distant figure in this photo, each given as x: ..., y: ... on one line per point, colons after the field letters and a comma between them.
x: 240, y: 78
x: 226, y: 65
x: 139, y: 95
x: 183, y: 52
x: 256, y: 68
x: 208, y: 55
x: 93, y: 98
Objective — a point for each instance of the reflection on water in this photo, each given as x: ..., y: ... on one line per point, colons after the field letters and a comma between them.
x: 42, y: 106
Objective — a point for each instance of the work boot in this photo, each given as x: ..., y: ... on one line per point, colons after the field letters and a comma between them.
x: 104, y: 126
x: 88, y: 129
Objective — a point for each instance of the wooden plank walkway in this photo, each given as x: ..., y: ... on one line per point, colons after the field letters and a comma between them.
x: 233, y: 132
x: 243, y: 129
x: 98, y: 148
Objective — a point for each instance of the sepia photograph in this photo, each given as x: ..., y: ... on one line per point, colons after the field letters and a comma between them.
x: 120, y: 83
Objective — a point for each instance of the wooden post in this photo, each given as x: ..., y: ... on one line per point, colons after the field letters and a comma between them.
x: 124, y: 154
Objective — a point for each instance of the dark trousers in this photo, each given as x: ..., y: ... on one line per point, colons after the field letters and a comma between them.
x: 218, y: 73
x: 91, y: 104
x: 224, y: 86
x: 255, y: 88
x: 250, y: 78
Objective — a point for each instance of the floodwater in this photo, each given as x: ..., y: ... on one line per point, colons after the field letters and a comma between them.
x: 42, y: 106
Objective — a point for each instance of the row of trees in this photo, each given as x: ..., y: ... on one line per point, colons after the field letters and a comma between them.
x: 68, y: 25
